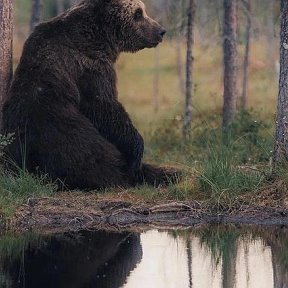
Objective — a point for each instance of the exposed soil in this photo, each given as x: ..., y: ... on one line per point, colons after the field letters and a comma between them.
x: 78, y: 211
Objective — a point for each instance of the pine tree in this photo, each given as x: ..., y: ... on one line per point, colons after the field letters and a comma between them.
x: 230, y: 61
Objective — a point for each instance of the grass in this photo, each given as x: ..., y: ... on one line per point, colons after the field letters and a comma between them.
x: 17, y: 187
x: 223, y: 183
x: 227, y: 173
x: 221, y: 172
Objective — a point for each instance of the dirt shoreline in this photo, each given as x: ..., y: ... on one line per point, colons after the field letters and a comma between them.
x: 62, y: 214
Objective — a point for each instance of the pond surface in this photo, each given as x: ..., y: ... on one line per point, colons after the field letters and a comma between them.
x: 215, y: 256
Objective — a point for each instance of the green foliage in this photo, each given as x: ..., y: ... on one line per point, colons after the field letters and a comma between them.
x: 223, y: 175
x: 248, y: 137
x: 15, y: 188
x: 181, y: 191
x: 222, y: 164
x: 18, y: 186
x: 223, y: 181
x: 4, y: 141
x: 166, y: 144
x: 146, y: 192
x: 254, y: 142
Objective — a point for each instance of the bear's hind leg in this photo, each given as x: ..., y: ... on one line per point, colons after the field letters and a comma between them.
x: 80, y: 157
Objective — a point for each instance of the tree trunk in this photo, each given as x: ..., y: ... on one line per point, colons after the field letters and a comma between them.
x: 247, y: 8
x: 203, y: 14
x: 270, y: 35
x: 230, y: 61
x: 156, y: 81
x: 60, y: 6
x: 180, y: 64
x: 6, y: 38
x: 281, y: 138
x: 35, y: 14
x: 189, y: 70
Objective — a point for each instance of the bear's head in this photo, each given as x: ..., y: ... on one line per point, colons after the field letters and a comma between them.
x: 135, y: 30
x: 124, y: 23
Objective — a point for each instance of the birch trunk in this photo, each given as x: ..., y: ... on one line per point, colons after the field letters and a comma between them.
x: 6, y: 38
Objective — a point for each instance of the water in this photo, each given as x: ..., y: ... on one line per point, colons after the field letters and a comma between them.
x: 202, y: 258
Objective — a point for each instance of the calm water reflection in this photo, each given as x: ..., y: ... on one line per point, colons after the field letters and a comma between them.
x: 211, y: 257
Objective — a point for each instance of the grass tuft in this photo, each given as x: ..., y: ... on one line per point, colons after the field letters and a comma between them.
x: 16, y: 188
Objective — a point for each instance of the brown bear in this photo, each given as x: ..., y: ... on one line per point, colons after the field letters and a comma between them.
x: 62, y: 105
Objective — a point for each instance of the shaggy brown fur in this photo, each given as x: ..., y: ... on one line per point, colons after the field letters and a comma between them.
x: 63, y: 105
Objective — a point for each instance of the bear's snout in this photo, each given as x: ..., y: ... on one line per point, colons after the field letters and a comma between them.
x: 159, y: 33
x: 162, y: 32
x: 156, y: 34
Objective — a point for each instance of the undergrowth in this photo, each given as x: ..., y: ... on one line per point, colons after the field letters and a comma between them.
x: 225, y: 167
x: 219, y: 170
x: 16, y: 188
x: 19, y: 185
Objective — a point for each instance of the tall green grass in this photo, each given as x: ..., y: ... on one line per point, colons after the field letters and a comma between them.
x: 231, y: 168
x: 18, y: 185
x: 16, y: 188
x: 225, y: 168
x: 224, y: 182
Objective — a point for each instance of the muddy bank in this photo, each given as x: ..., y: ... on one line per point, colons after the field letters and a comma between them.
x: 78, y: 212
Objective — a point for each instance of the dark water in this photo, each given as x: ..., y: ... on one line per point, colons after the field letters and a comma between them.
x: 212, y: 257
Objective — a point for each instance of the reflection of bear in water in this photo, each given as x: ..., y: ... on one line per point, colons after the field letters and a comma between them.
x: 63, y: 107
x: 86, y: 259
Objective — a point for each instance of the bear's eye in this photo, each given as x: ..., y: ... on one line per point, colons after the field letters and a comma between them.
x: 138, y: 14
